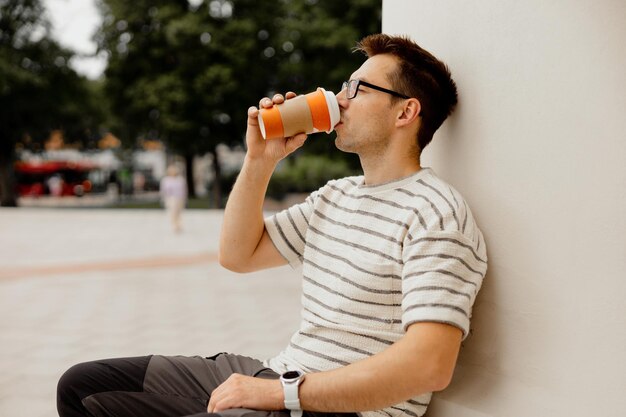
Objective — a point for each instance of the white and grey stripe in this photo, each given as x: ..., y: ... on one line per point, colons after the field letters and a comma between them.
x: 387, y: 202
x: 319, y: 354
x: 440, y: 271
x: 354, y: 245
x: 352, y: 264
x: 437, y: 288
x: 349, y: 281
x: 349, y: 313
x: 282, y: 234
x: 444, y: 256
x: 336, y: 343
x: 337, y: 293
x: 456, y: 218
x: 360, y: 229
x: 295, y: 227
x: 359, y: 335
x: 363, y: 213
x: 437, y: 305
x: 451, y: 240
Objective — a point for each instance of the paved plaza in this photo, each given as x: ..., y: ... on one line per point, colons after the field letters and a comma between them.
x: 84, y: 284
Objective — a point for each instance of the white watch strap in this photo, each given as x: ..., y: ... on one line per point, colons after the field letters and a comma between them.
x: 292, y: 402
x: 291, y: 385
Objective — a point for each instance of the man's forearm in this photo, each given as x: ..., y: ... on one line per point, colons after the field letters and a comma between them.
x: 243, y: 225
x: 421, y: 362
x: 243, y: 244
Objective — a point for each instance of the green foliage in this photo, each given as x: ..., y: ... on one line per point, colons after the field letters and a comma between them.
x: 307, y: 173
x: 38, y: 90
x: 221, y: 57
x: 187, y: 74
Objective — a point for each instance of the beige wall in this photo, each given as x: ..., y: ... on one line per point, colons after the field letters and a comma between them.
x: 538, y: 147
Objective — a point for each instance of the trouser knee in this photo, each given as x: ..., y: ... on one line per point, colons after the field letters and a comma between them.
x: 71, y: 388
x: 75, y: 377
x: 89, y: 378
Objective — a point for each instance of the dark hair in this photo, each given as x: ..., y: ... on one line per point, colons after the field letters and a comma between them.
x: 419, y: 75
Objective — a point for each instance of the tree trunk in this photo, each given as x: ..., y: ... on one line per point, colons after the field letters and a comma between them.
x: 191, y: 189
x: 217, y: 181
x: 7, y: 180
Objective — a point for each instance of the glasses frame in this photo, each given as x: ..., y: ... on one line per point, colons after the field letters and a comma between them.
x: 347, y: 86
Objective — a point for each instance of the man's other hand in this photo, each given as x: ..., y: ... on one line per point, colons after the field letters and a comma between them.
x: 241, y: 391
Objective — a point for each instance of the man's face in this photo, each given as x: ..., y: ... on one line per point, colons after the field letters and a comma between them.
x: 367, y: 120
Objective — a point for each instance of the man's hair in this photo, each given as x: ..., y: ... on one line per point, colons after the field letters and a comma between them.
x: 419, y: 75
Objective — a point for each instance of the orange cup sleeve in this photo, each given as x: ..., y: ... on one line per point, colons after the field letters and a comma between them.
x: 319, y: 110
x: 273, y: 123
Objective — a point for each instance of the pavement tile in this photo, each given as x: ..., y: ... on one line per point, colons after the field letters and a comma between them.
x: 50, y: 320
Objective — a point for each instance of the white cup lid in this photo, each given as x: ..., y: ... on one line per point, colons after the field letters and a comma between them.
x: 333, y: 109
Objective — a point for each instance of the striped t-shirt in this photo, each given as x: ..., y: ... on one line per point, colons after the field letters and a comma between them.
x: 376, y: 259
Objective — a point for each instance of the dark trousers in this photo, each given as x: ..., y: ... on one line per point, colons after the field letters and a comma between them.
x: 155, y: 386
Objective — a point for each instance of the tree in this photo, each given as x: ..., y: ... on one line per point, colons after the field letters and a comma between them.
x: 186, y: 72
x: 39, y: 92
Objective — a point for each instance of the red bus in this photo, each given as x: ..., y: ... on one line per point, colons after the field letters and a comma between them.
x: 57, y: 178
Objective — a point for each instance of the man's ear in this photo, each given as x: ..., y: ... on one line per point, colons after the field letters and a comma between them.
x: 409, y: 112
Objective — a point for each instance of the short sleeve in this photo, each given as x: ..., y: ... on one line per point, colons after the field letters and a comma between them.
x: 288, y: 229
x: 442, y: 274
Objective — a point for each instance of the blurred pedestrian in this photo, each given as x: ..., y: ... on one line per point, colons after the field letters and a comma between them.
x: 139, y: 182
x: 173, y: 191
x: 55, y: 185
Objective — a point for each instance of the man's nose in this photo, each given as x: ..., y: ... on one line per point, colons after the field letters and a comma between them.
x: 341, y: 98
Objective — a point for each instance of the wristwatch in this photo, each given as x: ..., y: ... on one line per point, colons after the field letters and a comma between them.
x: 290, y: 381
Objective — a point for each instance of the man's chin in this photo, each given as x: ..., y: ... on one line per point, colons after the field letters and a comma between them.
x: 343, y: 146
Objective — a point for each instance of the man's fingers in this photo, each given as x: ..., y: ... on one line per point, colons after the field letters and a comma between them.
x: 213, y: 407
x: 214, y: 404
x: 295, y: 142
x: 265, y: 102
x: 253, y: 112
x: 278, y: 98
x: 253, y: 116
x: 215, y: 398
x: 224, y: 396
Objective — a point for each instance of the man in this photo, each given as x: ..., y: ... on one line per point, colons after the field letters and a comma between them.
x: 392, y: 262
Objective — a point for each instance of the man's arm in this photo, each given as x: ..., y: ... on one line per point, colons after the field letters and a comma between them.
x: 422, y: 361
x: 244, y: 244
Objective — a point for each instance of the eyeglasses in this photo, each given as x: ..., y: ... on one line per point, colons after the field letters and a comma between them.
x: 352, y: 87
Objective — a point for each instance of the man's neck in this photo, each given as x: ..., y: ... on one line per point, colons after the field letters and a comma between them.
x: 384, y: 168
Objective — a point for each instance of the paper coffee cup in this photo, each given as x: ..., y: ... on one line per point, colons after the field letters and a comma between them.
x: 313, y: 112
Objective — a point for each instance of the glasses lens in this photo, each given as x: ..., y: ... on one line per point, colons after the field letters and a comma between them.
x: 353, y: 86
